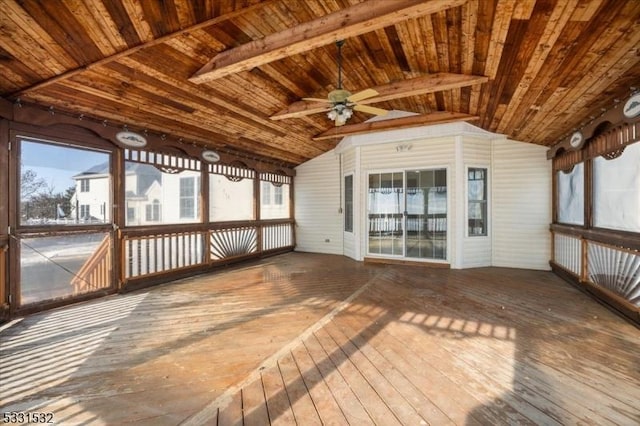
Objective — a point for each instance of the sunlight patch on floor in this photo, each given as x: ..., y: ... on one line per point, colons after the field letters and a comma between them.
x: 46, y: 350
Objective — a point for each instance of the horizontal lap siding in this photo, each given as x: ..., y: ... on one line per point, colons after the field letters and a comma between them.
x: 476, y: 251
x: 317, y: 200
x: 521, y: 188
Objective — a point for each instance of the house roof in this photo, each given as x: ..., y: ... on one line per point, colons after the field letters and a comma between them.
x: 98, y: 169
x: 146, y: 175
x: 550, y: 66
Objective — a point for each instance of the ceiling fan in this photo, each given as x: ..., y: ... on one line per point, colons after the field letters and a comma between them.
x: 342, y: 103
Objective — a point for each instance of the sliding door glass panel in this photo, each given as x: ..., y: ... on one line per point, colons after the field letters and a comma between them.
x: 386, y: 200
x: 426, y: 208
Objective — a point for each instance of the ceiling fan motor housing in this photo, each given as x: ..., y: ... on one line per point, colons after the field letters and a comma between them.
x: 339, y: 96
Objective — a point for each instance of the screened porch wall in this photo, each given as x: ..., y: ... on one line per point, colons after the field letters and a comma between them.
x: 143, y: 235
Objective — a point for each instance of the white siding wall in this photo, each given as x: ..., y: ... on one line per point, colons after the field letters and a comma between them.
x: 519, y: 197
x: 97, y: 198
x: 317, y: 203
x: 476, y: 251
x: 521, y: 207
x: 424, y: 154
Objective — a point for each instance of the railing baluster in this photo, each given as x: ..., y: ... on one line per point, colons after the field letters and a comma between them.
x: 163, y: 252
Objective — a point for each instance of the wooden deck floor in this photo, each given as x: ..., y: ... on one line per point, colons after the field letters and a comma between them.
x: 319, y: 339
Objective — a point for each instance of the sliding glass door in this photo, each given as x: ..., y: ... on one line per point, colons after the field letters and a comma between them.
x: 426, y: 207
x: 408, y: 214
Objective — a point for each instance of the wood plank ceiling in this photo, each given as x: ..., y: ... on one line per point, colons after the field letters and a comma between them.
x: 552, y: 66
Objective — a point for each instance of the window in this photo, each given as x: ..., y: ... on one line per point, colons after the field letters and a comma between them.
x: 266, y: 193
x: 616, y: 190
x: 348, y: 203
x: 84, y: 211
x: 571, y: 195
x: 131, y: 215
x: 477, y: 202
x: 177, y: 195
x: 275, y: 200
x: 152, y: 213
x: 277, y: 195
x: 187, y: 198
x: 54, y: 188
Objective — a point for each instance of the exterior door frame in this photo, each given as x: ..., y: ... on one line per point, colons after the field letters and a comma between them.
x: 74, y: 138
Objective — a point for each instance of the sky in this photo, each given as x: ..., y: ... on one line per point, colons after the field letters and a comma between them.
x: 56, y: 164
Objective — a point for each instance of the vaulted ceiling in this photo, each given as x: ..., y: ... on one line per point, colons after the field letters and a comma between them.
x: 550, y: 65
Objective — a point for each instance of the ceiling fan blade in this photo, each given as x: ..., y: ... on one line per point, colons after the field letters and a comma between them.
x: 316, y: 100
x: 370, y: 110
x: 364, y: 94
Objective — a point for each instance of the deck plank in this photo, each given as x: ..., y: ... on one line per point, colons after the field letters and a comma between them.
x: 301, y: 403
x: 254, y: 405
x: 328, y: 409
x: 365, y: 392
x: 392, y: 398
x: 349, y: 403
x: 423, y: 406
x: 231, y: 415
x: 278, y: 404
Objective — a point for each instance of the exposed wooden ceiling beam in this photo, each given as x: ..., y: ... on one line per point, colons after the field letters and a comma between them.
x: 352, y: 21
x: 401, y: 89
x: 132, y: 50
x: 439, y: 117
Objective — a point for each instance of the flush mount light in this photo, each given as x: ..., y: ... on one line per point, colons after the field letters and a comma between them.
x: 131, y: 139
x: 210, y: 156
x: 631, y: 108
x: 576, y: 139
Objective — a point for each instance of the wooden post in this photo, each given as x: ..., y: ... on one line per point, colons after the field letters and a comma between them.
x: 205, y: 204
x: 585, y: 259
x: 292, y: 212
x: 4, y: 212
x: 256, y: 211
x: 118, y: 215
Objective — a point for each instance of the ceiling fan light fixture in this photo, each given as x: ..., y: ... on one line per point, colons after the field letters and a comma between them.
x: 340, y: 113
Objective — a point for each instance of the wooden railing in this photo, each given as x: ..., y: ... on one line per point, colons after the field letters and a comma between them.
x: 95, y: 273
x: 567, y: 253
x: 4, y: 245
x: 162, y: 251
x: 153, y: 251
x: 602, y: 260
x: 232, y: 241
x: 277, y: 235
